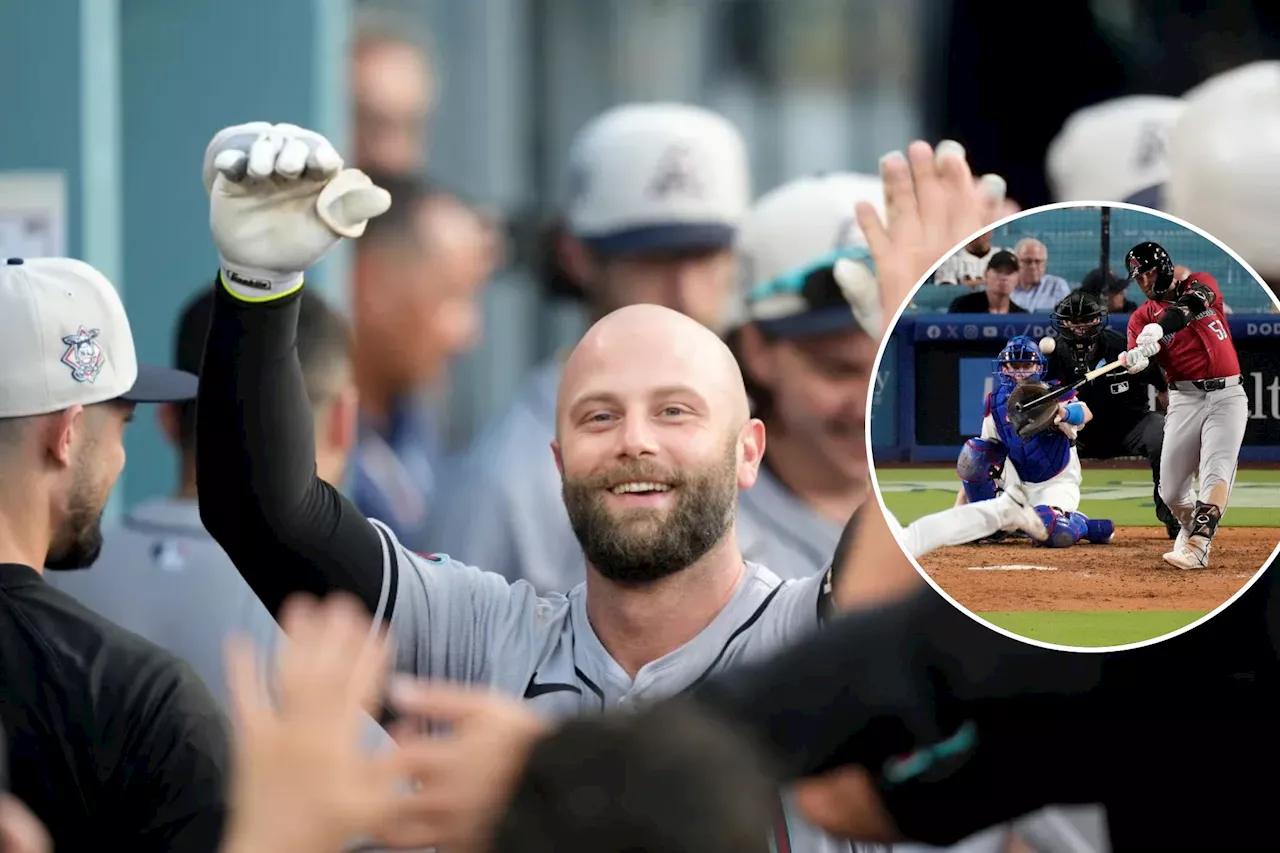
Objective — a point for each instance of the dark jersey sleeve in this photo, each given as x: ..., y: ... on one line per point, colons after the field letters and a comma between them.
x: 174, y: 760
x: 285, y: 529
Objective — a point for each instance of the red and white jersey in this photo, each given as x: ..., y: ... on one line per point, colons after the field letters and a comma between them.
x: 1202, y: 350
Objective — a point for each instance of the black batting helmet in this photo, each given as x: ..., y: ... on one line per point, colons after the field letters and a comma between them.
x: 1078, y: 321
x: 1151, y: 256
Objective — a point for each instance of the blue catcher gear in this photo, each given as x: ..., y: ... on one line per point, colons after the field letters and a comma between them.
x: 1021, y: 350
x: 1066, y: 529
x: 979, y: 466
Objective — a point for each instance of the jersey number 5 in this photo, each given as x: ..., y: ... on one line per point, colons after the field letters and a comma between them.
x: 1216, y: 326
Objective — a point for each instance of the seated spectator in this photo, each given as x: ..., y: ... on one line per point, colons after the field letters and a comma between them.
x: 1110, y: 288
x: 1000, y: 277
x: 1037, y: 292
x: 967, y: 265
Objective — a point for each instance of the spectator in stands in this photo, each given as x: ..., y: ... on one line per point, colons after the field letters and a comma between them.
x: 1000, y: 277
x: 1037, y: 291
x: 1110, y: 288
x: 967, y: 265
x: 394, y: 92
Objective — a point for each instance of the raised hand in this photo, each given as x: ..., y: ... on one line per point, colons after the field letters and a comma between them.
x: 279, y: 200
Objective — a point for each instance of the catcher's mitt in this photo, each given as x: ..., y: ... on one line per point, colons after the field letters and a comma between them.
x: 1036, y: 419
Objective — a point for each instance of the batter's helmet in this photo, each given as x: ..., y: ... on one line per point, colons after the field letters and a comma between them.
x: 1148, y: 256
x: 1079, y: 320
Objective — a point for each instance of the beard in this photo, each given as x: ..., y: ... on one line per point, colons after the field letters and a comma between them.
x: 640, y: 546
x: 78, y: 540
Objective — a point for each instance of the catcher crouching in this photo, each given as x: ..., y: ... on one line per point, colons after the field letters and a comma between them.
x: 1031, y: 448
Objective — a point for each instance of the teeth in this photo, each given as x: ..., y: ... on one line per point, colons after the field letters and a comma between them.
x: 626, y: 488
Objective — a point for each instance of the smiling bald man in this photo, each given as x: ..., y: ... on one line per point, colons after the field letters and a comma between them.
x: 653, y: 442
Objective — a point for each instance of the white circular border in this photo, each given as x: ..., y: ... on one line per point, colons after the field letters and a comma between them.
x: 896, y: 527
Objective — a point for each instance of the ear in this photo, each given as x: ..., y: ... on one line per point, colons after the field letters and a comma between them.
x: 167, y: 418
x: 751, y: 447
x: 555, y: 451
x: 577, y: 260
x: 62, y: 432
x: 758, y: 359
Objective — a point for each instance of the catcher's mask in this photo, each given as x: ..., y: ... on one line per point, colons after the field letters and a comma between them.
x: 1149, y: 256
x: 1019, y: 361
x: 1079, y: 320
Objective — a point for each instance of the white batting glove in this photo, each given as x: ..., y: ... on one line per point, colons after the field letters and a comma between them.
x: 279, y: 200
x: 1135, y: 360
x: 857, y: 280
x: 1150, y: 334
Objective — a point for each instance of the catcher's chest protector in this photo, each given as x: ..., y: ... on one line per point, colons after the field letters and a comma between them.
x: 1038, y: 458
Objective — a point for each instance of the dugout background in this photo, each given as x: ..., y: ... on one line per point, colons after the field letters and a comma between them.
x: 120, y: 96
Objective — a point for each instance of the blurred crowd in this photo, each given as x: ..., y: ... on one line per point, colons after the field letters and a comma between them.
x: 657, y: 208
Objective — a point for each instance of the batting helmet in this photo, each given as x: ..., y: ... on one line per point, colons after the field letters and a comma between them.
x: 1148, y: 256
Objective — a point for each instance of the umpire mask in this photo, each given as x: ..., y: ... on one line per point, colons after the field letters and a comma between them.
x: 1078, y: 321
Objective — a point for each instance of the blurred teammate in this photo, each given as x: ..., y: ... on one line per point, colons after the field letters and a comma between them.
x: 1114, y: 151
x: 112, y: 741
x: 393, y: 89
x: 1222, y: 163
x: 1046, y: 466
x: 808, y: 365
x: 160, y: 574
x: 1123, y: 423
x: 1208, y: 407
x: 418, y: 278
x: 655, y: 198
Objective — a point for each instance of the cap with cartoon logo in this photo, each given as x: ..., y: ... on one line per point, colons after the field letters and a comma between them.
x: 787, y: 249
x: 66, y: 341
x: 657, y: 177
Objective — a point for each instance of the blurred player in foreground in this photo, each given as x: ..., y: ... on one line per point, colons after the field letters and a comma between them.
x: 656, y: 193
x: 1208, y: 407
x: 1040, y: 456
x: 807, y: 360
x: 1123, y: 423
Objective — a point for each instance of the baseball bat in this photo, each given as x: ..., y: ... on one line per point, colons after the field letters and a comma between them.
x: 1062, y: 389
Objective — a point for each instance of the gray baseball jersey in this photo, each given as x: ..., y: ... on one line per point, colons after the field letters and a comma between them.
x: 161, y: 575
x: 777, y: 529
x: 505, y: 509
x: 452, y: 621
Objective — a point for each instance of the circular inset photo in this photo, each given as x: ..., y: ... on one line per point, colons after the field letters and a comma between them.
x: 1076, y: 424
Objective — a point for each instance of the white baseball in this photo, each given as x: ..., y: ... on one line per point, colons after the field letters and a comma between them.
x: 1047, y: 345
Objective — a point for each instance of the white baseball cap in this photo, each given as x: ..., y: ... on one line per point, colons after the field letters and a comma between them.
x: 66, y: 341
x: 788, y: 244
x: 657, y: 177
x: 1224, y: 162
x: 1113, y: 151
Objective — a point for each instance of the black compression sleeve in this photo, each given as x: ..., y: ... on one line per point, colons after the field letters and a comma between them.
x: 285, y: 529
x: 1174, y: 320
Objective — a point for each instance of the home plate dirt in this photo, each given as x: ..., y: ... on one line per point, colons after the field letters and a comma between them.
x: 1128, y: 574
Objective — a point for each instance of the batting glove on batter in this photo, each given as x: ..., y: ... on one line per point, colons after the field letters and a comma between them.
x: 1138, y: 359
x: 1150, y: 334
x: 279, y: 200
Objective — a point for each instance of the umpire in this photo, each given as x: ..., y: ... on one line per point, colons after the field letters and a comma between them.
x: 1123, y: 423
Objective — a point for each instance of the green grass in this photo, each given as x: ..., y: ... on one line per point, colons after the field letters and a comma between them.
x: 1122, y: 495
x: 1093, y: 628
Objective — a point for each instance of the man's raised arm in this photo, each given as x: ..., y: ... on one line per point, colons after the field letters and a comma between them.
x: 279, y: 200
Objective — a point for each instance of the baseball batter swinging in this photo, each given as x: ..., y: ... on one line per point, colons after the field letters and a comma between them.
x: 1035, y: 450
x: 1208, y: 410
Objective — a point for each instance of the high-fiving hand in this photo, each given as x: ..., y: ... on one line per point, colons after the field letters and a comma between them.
x: 279, y: 200
x: 933, y: 203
